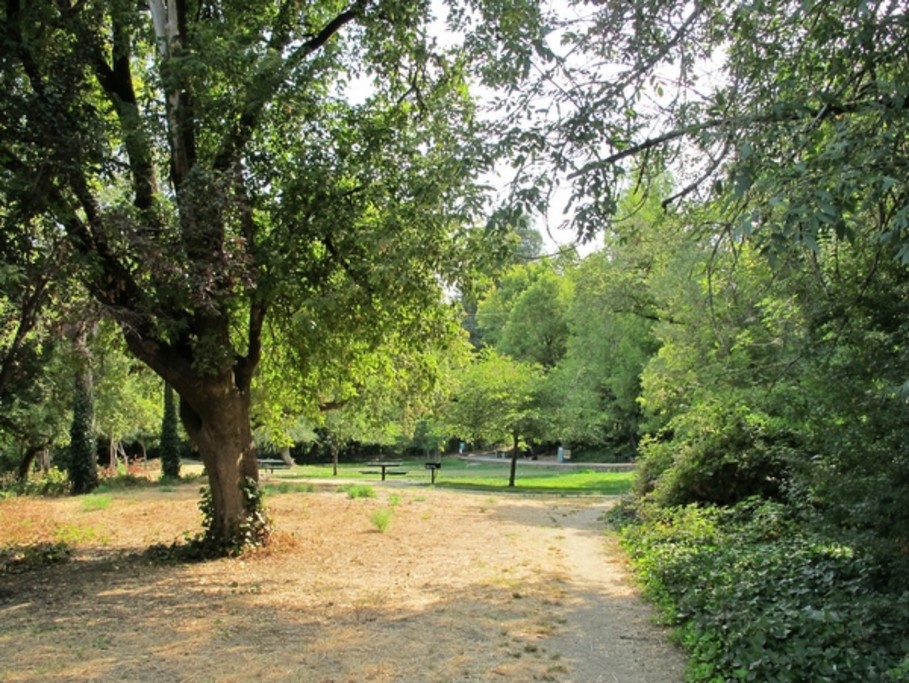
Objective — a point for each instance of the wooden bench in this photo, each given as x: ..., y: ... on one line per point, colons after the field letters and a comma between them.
x: 272, y: 464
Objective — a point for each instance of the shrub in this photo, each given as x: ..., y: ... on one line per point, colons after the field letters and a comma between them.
x: 54, y: 482
x: 381, y: 519
x: 758, y: 593
x: 718, y: 454
x: 358, y: 491
x: 656, y: 458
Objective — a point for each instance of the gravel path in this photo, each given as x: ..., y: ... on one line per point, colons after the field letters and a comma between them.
x: 609, y: 634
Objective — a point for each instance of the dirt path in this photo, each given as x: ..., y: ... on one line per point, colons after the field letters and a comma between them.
x: 609, y: 635
x: 461, y: 587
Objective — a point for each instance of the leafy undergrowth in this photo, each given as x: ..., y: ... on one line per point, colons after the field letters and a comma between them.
x: 756, y: 595
x: 22, y: 558
x: 55, y: 482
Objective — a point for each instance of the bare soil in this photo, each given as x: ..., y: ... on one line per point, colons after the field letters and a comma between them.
x: 460, y: 587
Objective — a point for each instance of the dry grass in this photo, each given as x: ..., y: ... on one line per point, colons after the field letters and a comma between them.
x: 458, y: 588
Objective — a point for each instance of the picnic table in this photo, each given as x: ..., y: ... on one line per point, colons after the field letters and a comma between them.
x: 271, y: 464
x: 385, y: 467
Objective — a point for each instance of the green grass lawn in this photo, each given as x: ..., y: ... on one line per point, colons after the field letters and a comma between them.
x: 457, y: 474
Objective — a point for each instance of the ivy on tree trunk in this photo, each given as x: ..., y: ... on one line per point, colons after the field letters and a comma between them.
x: 170, y: 439
x: 83, y: 459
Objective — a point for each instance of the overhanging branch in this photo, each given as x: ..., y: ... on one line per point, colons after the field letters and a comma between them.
x: 783, y: 113
x: 258, y: 95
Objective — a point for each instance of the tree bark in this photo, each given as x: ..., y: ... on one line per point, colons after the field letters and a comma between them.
x: 45, y: 462
x: 169, y: 440
x: 112, y: 454
x: 25, y: 465
x: 216, y: 418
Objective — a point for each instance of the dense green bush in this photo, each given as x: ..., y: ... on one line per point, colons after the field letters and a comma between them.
x: 757, y: 593
x: 719, y: 453
x: 861, y: 478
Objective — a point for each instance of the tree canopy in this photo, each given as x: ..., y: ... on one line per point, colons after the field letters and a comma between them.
x: 791, y: 113
x: 227, y: 173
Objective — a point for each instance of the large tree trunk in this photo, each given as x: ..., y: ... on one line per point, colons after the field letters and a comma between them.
x: 216, y: 418
x: 214, y: 409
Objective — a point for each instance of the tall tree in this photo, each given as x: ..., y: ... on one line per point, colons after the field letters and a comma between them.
x: 523, y: 315
x: 215, y: 165
x: 536, y: 329
x: 596, y: 385
x: 33, y: 291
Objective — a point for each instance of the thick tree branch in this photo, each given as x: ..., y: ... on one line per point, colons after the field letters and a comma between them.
x: 14, y: 38
x: 117, y: 83
x: 171, y: 34
x: 116, y: 289
x: 262, y: 91
x: 28, y: 319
